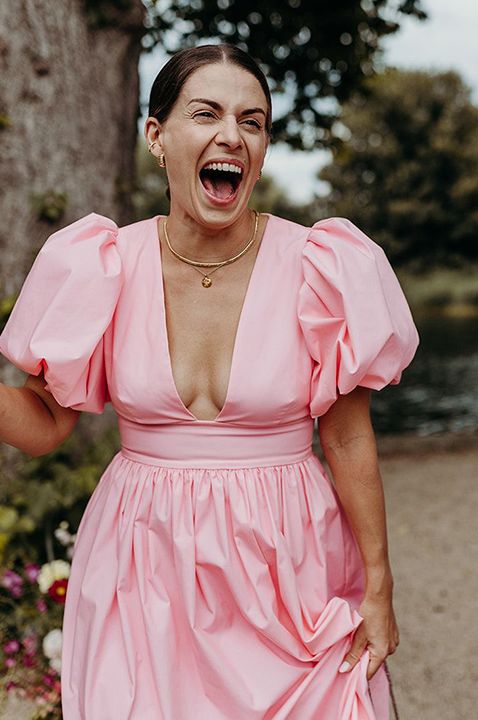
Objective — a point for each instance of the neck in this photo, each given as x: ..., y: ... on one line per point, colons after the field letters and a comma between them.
x: 203, y: 242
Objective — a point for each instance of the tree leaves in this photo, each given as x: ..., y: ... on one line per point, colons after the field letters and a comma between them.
x: 317, y: 52
x: 406, y: 169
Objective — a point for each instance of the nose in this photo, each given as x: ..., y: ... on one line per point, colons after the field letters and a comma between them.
x: 229, y: 132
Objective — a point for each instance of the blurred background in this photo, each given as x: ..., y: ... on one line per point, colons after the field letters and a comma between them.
x: 375, y: 119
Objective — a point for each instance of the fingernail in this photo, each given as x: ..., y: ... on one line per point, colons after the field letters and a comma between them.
x: 344, y: 667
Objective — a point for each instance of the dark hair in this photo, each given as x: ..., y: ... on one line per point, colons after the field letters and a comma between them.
x: 172, y: 76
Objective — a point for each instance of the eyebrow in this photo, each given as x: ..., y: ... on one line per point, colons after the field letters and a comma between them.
x: 217, y: 106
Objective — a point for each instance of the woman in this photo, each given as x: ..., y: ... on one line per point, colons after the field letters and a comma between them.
x: 217, y: 572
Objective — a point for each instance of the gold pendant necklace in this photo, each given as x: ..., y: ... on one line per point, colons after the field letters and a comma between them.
x: 196, y: 264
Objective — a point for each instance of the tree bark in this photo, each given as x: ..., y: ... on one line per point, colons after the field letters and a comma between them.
x: 69, y: 103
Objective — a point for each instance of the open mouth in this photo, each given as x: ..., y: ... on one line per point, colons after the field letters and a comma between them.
x: 221, y: 180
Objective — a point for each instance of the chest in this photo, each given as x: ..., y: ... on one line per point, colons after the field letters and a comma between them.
x: 201, y: 326
x: 232, y: 352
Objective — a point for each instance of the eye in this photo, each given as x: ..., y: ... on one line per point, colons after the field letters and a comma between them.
x: 204, y: 114
x: 253, y: 123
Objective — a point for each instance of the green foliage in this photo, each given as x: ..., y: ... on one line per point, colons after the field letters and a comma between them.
x: 106, y: 13
x: 46, y: 490
x: 405, y: 170
x: 6, y: 306
x: 50, y: 206
x: 5, y: 121
x: 149, y: 197
x: 442, y: 291
x: 269, y: 197
x: 316, y: 51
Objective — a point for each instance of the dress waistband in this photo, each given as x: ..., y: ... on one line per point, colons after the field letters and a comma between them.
x: 212, y: 444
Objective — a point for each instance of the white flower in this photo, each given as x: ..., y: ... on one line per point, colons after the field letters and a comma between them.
x: 63, y: 535
x: 52, y: 648
x: 56, y: 570
x: 56, y: 664
x: 52, y: 643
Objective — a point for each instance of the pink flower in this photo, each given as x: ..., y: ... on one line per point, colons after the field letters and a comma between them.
x: 10, y: 662
x: 13, y: 582
x: 49, y: 680
x: 41, y: 605
x: 30, y: 643
x: 29, y: 661
x: 31, y: 571
x: 12, y: 646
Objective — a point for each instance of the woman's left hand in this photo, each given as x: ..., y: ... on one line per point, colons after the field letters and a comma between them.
x: 377, y: 633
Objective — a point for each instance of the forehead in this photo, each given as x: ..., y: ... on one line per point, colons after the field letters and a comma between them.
x: 224, y: 83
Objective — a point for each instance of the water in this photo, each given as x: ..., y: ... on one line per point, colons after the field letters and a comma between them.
x: 439, y: 390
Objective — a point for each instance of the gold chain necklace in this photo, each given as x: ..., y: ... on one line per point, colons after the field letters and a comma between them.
x: 206, y: 280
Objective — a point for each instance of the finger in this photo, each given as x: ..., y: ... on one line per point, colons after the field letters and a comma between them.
x: 354, y: 654
x: 375, y: 661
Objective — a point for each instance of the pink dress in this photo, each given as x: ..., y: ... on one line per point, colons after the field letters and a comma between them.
x: 215, y: 575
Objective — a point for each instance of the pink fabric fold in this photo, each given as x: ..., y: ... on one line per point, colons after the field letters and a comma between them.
x: 353, y: 313
x: 66, y: 303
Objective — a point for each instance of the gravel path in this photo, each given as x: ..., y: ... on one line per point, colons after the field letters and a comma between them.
x: 432, y: 510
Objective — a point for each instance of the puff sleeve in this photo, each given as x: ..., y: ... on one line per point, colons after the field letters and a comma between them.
x: 353, y: 314
x: 64, y: 307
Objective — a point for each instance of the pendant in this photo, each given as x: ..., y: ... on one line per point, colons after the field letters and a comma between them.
x: 206, y: 281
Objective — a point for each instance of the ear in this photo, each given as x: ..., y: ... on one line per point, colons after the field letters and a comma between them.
x: 152, y: 133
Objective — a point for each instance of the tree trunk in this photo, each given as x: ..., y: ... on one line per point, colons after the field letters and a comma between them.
x: 69, y: 103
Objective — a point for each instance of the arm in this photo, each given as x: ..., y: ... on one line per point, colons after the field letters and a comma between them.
x: 31, y: 419
x: 348, y: 441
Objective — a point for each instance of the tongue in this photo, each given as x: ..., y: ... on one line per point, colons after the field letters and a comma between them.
x: 219, y: 187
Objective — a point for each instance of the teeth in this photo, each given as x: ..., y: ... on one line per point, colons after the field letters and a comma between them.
x: 225, y: 167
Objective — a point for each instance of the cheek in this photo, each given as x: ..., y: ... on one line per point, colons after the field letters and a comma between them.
x: 257, y: 152
x: 259, y: 147
x: 186, y: 148
x: 181, y: 159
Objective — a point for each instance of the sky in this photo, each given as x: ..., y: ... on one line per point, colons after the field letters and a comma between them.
x: 447, y: 40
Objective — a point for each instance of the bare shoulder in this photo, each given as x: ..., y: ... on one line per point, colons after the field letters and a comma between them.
x: 65, y: 417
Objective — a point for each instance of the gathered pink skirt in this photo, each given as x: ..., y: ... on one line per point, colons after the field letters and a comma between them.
x: 209, y: 583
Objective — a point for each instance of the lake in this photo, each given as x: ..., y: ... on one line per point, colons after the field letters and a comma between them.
x: 439, y: 390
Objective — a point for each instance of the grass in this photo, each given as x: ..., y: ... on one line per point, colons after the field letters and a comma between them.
x: 448, y: 292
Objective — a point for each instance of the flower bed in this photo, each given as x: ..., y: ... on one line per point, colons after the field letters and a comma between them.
x: 32, y: 597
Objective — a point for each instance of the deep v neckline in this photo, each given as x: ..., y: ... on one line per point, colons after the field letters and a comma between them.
x: 253, y: 279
